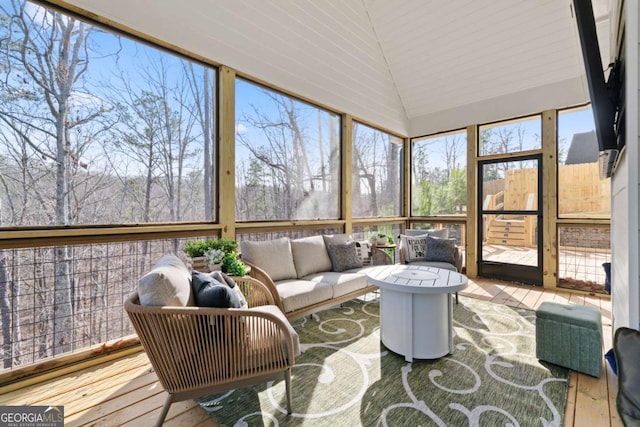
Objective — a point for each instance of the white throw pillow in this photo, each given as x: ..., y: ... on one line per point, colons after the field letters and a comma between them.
x: 310, y: 255
x: 273, y: 256
x: 168, y: 283
x: 414, y: 248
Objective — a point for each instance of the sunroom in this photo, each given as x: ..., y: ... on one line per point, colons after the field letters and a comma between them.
x: 131, y: 128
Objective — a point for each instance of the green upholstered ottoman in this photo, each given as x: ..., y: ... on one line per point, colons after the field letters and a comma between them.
x: 570, y: 335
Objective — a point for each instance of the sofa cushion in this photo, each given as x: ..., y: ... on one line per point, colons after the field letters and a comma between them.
x: 414, y: 247
x: 310, y: 255
x: 344, y: 256
x: 341, y: 283
x: 168, y: 283
x: 273, y: 256
x: 441, y: 250
x: 297, y: 293
x: 336, y: 239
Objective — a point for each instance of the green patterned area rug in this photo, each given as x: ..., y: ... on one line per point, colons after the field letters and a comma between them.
x: 346, y: 377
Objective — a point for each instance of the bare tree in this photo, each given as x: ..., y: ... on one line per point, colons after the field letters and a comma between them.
x: 201, y: 87
x: 47, y: 56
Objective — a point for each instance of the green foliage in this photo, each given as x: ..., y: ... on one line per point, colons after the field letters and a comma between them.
x: 197, y: 248
x: 442, y: 197
x: 232, y: 265
x: 230, y: 262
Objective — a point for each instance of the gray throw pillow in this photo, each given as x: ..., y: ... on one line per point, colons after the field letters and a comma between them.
x: 344, y: 256
x: 210, y: 292
x: 224, y: 278
x: 442, y: 250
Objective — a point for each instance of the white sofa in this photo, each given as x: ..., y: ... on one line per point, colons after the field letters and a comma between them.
x: 309, y: 273
x: 315, y: 272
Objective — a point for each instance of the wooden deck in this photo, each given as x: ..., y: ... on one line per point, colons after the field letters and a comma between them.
x: 126, y: 392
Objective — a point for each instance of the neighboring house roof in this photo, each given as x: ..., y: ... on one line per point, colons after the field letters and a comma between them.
x: 583, y: 149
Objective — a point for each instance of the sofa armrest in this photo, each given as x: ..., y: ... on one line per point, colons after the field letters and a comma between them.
x: 261, y: 275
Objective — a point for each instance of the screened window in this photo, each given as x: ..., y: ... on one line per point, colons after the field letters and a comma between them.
x: 98, y: 129
x: 512, y: 136
x: 439, y: 175
x: 581, y: 192
x: 287, y: 157
x: 377, y: 172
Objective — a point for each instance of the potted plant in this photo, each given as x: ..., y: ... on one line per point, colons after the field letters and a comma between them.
x: 232, y: 265
x: 380, y: 239
x: 213, y: 258
x: 208, y: 255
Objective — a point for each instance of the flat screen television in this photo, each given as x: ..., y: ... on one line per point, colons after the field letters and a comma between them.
x: 603, y: 95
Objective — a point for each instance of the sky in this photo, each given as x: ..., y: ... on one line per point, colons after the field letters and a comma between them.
x: 135, y: 57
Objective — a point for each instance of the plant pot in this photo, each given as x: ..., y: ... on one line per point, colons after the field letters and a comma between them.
x: 199, y: 264
x: 382, y: 241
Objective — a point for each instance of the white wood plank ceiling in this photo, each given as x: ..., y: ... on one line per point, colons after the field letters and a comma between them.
x: 411, y: 66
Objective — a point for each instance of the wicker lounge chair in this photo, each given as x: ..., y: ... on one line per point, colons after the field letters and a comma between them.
x: 196, y: 351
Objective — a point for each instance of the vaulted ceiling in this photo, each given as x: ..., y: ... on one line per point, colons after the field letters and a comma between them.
x: 411, y: 66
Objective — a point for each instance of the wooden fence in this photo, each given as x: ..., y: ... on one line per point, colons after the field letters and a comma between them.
x: 581, y: 192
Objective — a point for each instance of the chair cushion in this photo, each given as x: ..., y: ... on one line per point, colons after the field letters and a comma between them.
x: 272, y: 256
x: 168, y: 283
x: 442, y: 233
x: 272, y: 309
x: 344, y: 256
x: 310, y: 255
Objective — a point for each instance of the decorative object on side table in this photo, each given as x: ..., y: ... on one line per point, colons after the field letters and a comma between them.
x: 215, y: 254
x: 382, y: 248
x: 381, y: 239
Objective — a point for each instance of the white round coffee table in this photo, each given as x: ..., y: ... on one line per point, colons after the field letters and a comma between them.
x: 416, y: 313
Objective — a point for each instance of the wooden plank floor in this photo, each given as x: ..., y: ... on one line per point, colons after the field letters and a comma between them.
x: 126, y: 392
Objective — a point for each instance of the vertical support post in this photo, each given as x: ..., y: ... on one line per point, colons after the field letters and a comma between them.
x: 227, y: 152
x: 406, y: 170
x: 471, y: 240
x: 549, y: 198
x: 346, y: 175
